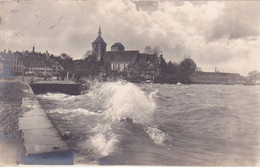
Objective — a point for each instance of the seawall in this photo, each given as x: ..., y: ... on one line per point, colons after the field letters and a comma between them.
x: 41, y: 88
x: 42, y: 142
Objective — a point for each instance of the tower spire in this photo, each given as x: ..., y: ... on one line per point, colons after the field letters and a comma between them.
x: 99, y: 31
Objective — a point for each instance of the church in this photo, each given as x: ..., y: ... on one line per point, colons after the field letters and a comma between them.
x: 118, y: 58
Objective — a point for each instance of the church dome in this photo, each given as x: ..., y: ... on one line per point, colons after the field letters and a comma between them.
x: 117, y: 47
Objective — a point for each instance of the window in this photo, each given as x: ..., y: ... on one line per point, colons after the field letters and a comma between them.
x: 112, y: 66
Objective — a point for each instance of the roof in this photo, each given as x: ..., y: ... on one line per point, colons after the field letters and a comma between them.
x: 99, y: 40
x: 143, y: 58
x: 35, y: 61
x: 223, y: 74
x: 121, y: 56
x: 119, y: 45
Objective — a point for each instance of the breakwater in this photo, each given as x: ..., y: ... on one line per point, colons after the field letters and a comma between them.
x: 40, y: 143
x: 71, y: 88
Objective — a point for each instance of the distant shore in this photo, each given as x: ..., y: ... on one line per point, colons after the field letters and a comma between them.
x: 209, y: 79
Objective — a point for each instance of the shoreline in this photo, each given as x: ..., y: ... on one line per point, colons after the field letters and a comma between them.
x: 86, y: 80
x: 11, y: 144
x: 17, y: 124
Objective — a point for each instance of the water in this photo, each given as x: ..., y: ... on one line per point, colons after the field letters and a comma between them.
x: 121, y: 123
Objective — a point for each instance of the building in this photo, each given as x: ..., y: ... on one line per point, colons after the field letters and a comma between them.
x: 37, y: 65
x: 17, y: 64
x: 117, y: 47
x: 121, y: 60
x: 40, y: 64
x: 11, y: 63
x: 57, y: 68
x: 134, y: 63
x: 99, y: 47
x: 28, y: 63
x: 217, y: 78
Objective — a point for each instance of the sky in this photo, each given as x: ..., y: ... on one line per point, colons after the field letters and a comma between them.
x: 221, y: 34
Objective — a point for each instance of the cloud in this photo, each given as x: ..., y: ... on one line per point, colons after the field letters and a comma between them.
x: 215, y: 34
x: 240, y: 19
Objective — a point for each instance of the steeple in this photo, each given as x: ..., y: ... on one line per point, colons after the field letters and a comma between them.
x: 99, y: 31
x: 33, y: 49
x: 99, y: 46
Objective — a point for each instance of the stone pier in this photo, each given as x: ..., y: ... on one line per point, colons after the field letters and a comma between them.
x: 42, y: 142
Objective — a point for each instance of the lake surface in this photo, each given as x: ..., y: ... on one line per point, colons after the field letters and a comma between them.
x: 121, y: 123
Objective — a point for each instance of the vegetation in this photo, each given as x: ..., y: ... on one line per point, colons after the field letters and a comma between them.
x: 157, y: 67
x: 186, y: 68
x: 253, y: 76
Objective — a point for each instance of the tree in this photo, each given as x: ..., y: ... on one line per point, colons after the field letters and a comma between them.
x: 173, y: 69
x: 66, y: 61
x: 65, y: 56
x: 156, y: 50
x: 88, y: 67
x: 186, y: 68
x: 87, y: 54
x: 253, y: 76
x: 162, y: 65
x: 91, y: 58
x: 148, y: 50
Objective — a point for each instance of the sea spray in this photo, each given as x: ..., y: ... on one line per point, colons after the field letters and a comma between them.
x: 103, y: 140
x: 116, y: 100
x: 104, y: 107
x: 120, y: 101
x: 126, y: 100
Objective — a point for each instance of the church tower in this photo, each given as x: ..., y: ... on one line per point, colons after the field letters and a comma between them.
x: 99, y: 47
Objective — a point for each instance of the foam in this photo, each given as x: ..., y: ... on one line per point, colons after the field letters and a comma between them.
x: 116, y: 100
x: 77, y: 111
x: 157, y: 135
x: 126, y: 100
x: 56, y: 96
x: 103, y: 142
